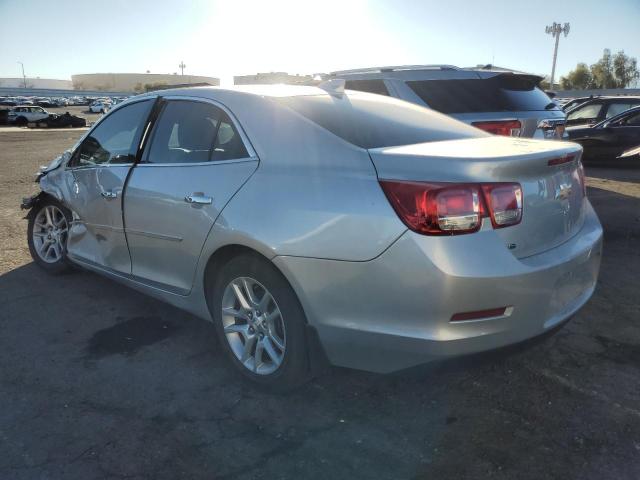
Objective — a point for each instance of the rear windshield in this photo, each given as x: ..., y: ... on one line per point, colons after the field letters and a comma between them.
x: 373, y: 121
x: 496, y: 94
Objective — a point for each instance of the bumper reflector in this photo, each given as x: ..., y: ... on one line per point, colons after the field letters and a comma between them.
x: 482, y: 314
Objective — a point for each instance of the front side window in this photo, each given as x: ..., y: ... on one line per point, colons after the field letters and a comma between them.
x: 116, y: 138
x: 630, y: 120
x: 590, y: 111
x: 194, y: 132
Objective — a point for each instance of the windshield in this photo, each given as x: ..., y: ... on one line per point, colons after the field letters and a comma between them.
x: 373, y: 121
x: 495, y: 94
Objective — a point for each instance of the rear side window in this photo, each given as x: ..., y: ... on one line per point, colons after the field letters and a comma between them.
x: 194, y: 132
x: 495, y: 94
x: 370, y: 121
x: 617, y: 108
x: 370, y: 86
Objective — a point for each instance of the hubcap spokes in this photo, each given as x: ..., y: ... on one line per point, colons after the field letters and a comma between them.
x: 50, y: 234
x: 253, y: 325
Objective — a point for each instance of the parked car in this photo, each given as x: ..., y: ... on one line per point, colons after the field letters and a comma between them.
x: 613, y: 140
x: 598, y: 109
x: 499, y: 102
x: 24, y: 101
x: 8, y: 101
x: 99, y: 107
x: 23, y: 114
x: 363, y: 229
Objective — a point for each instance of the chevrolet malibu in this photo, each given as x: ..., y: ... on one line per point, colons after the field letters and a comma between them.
x: 313, y: 224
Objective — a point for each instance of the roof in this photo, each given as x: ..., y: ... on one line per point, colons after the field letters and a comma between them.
x: 278, y: 90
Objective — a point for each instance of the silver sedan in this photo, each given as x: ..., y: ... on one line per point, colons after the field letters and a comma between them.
x: 313, y: 224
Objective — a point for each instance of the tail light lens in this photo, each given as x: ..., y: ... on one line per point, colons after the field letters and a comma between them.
x: 583, y: 180
x: 451, y: 208
x: 505, y: 203
x: 508, y: 128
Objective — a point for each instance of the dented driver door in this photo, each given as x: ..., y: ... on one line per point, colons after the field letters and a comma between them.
x: 97, y: 173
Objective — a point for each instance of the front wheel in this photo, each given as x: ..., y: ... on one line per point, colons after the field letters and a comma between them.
x: 47, y: 235
x: 260, y: 323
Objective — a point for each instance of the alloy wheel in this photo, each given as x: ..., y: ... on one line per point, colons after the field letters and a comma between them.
x: 253, y: 325
x: 50, y: 234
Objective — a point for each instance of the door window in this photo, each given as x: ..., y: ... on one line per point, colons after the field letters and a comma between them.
x: 616, y: 108
x: 632, y: 120
x: 194, y: 132
x: 586, y: 112
x: 114, y: 140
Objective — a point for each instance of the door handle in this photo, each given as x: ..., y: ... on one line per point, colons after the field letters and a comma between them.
x: 198, y: 198
x: 109, y: 194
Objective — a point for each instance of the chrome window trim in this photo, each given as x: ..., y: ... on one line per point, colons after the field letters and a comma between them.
x: 198, y: 164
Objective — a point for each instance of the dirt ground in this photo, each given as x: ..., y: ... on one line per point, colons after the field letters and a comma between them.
x: 100, y: 382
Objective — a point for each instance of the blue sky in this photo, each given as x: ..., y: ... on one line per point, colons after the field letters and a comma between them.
x: 223, y: 38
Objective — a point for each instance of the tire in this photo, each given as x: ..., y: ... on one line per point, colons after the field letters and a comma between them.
x: 21, y: 121
x: 285, y: 330
x: 54, y: 260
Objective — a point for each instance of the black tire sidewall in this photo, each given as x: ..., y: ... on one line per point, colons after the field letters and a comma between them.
x: 61, y: 266
x: 295, y: 368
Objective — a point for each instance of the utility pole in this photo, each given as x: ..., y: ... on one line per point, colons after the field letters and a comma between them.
x: 555, y: 30
x: 182, y: 67
x: 24, y: 79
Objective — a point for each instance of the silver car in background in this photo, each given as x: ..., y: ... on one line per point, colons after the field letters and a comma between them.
x: 502, y: 102
x: 315, y: 223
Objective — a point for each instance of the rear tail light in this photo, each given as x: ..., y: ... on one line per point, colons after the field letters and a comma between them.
x: 508, y: 128
x: 451, y: 208
x: 583, y: 180
x: 505, y: 203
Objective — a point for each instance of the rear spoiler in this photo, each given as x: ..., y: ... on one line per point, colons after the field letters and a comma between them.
x: 528, y: 77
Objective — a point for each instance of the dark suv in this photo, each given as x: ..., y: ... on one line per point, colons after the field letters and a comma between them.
x: 503, y: 102
x: 599, y: 109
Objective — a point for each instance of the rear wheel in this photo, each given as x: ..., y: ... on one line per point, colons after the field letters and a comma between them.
x: 47, y: 235
x: 21, y: 121
x: 260, y: 323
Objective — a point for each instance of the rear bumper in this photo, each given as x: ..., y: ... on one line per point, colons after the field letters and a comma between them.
x: 394, y: 312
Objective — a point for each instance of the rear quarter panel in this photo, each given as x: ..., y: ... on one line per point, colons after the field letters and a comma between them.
x: 313, y: 194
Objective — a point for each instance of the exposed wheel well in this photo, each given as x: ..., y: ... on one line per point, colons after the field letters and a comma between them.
x: 42, y: 197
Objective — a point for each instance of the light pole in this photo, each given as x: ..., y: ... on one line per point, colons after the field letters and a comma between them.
x: 182, y: 67
x: 24, y: 79
x: 555, y: 30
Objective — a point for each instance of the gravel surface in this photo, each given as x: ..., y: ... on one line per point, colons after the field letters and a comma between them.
x: 100, y: 382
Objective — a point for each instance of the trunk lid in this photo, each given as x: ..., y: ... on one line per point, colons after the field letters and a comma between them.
x: 552, y: 190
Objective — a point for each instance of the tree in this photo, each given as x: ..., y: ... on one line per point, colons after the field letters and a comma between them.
x: 579, y: 79
x: 611, y: 71
x: 625, y: 69
x: 602, y: 72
